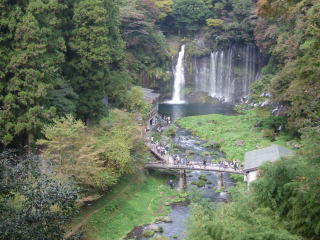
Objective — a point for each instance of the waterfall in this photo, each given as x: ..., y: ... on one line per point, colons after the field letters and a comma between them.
x: 179, y: 79
x: 227, y: 74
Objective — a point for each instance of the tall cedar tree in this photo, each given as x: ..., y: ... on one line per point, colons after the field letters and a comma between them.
x: 36, y: 51
x: 95, y: 44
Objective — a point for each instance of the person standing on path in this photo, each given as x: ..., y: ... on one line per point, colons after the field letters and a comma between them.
x: 235, y: 165
x: 171, y: 183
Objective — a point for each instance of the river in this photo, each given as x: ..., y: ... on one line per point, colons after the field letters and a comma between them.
x: 190, y: 145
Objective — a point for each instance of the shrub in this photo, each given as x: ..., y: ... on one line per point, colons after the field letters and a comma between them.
x: 273, y: 122
x: 269, y: 134
x: 171, y: 132
x: 203, y: 177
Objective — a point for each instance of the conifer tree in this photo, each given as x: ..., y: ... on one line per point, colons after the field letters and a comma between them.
x: 9, y: 15
x: 94, y: 43
x: 37, y: 52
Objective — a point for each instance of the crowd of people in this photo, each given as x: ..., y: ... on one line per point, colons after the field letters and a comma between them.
x: 226, y: 164
x: 159, y: 123
x: 162, y: 150
x: 177, y: 160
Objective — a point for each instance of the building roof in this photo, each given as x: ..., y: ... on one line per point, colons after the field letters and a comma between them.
x: 149, y: 95
x: 254, y: 159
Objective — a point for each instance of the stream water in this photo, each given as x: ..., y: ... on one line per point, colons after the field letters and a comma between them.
x: 187, y: 144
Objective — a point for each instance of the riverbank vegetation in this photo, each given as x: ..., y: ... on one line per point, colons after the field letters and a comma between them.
x: 237, y: 134
x: 282, y: 204
x: 136, y: 201
x: 240, y: 219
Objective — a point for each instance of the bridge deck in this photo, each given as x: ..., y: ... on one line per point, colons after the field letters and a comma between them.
x: 211, y: 167
x: 167, y: 162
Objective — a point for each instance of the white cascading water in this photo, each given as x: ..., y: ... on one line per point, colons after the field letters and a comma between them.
x: 179, y: 79
x: 227, y: 74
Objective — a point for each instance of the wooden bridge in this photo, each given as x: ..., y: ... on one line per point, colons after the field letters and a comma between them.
x: 193, y: 166
x: 167, y: 162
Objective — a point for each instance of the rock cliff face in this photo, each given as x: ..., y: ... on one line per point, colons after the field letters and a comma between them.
x: 225, y: 74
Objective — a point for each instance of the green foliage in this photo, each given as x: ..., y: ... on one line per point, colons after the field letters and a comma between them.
x: 62, y: 98
x: 194, y: 50
x: 200, y: 183
x: 269, y: 134
x: 189, y: 15
x: 212, y: 22
x: 229, y: 22
x: 134, y: 102
x: 95, y: 44
x: 289, y: 32
x: 291, y: 187
x: 35, y: 51
x: 249, y: 221
x: 132, y: 196
x: 56, y: 59
x: 147, y: 59
x: 29, y: 196
x: 119, y: 83
x: 93, y: 157
x: 69, y: 145
x: 273, y: 122
x: 164, y: 6
x: 259, y: 88
x: 235, y: 134
x: 203, y: 177
x: 171, y: 132
x: 148, y: 233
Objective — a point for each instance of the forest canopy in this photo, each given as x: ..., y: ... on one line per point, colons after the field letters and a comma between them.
x: 69, y: 72
x: 73, y: 57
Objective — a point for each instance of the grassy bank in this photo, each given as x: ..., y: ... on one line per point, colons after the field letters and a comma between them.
x: 136, y: 201
x: 235, y: 134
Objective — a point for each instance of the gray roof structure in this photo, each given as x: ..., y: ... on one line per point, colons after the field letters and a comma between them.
x: 255, y: 158
x: 149, y: 95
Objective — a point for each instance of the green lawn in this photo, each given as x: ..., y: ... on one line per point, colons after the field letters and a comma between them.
x: 235, y: 134
x: 139, y: 202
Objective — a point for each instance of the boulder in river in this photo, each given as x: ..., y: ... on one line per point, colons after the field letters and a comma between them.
x: 155, y: 228
x: 166, y: 219
x: 148, y: 233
